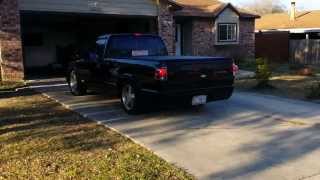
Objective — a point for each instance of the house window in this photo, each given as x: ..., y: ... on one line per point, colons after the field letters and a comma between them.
x: 227, y: 32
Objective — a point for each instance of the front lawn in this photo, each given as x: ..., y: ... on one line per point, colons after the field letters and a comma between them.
x: 286, y: 85
x: 286, y: 80
x: 39, y: 139
x: 10, y: 85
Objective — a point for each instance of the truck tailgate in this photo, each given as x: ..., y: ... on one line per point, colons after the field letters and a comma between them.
x: 193, y: 74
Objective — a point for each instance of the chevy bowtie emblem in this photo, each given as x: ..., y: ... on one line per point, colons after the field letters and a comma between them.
x: 203, y: 76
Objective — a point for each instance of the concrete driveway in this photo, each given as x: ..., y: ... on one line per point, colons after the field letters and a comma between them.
x: 249, y: 136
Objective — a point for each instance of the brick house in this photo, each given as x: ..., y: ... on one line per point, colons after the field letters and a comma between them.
x: 35, y: 33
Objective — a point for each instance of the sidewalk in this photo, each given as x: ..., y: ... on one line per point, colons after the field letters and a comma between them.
x: 242, y: 74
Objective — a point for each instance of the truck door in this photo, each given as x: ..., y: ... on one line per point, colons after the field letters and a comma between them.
x: 94, y: 63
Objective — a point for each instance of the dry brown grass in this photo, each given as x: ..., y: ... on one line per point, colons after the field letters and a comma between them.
x: 39, y: 139
x: 291, y: 86
x: 9, y: 85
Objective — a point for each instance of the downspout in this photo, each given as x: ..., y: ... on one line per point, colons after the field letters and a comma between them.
x: 158, y: 15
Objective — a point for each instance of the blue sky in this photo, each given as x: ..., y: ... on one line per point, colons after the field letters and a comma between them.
x: 301, y: 4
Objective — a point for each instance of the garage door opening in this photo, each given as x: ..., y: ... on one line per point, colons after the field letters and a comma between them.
x: 51, y: 40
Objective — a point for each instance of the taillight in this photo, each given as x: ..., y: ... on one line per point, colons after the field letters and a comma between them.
x: 161, y: 74
x: 234, y: 69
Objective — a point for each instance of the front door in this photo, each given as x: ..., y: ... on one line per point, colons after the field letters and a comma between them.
x: 178, y: 40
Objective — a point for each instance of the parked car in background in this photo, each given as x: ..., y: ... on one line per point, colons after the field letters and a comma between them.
x: 143, y: 73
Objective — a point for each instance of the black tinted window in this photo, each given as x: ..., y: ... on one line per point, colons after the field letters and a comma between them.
x: 127, y: 46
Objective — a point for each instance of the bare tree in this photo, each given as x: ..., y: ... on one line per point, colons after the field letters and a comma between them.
x: 265, y: 6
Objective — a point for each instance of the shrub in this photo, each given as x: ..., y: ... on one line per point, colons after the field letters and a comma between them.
x: 314, y: 91
x: 263, y: 72
x: 302, y: 70
x: 305, y: 71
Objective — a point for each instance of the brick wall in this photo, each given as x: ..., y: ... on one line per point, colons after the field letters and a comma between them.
x: 247, y: 37
x: 10, y: 40
x: 166, y: 27
x: 203, y: 40
x: 202, y: 37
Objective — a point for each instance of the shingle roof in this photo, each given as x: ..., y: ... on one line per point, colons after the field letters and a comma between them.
x: 207, y: 8
x: 307, y: 19
x: 199, y: 3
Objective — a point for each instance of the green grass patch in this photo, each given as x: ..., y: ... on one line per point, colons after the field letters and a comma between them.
x: 39, y: 139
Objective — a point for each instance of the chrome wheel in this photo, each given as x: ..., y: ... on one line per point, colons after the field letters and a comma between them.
x: 73, y: 82
x: 128, y: 97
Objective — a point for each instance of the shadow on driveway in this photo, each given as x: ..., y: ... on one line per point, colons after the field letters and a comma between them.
x: 266, y: 135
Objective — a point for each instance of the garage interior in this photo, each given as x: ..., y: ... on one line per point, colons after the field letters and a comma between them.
x: 51, y: 40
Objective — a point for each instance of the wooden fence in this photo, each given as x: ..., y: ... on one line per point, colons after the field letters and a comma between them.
x: 273, y: 45
x: 305, y: 51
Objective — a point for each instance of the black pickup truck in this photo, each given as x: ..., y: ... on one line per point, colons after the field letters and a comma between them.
x: 143, y: 73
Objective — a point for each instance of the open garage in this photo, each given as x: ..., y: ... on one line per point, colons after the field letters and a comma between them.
x: 53, y: 33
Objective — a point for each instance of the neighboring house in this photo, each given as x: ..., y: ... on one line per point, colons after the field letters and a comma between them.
x: 37, y: 33
x: 293, y: 36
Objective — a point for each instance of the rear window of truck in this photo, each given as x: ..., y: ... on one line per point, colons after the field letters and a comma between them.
x: 131, y: 46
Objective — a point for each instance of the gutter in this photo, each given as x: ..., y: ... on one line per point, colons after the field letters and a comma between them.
x: 292, y: 30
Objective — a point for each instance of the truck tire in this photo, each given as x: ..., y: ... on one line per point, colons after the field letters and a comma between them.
x: 130, y: 99
x: 76, y: 87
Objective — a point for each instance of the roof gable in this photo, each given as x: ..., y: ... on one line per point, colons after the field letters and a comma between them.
x: 219, y: 11
x: 207, y: 8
